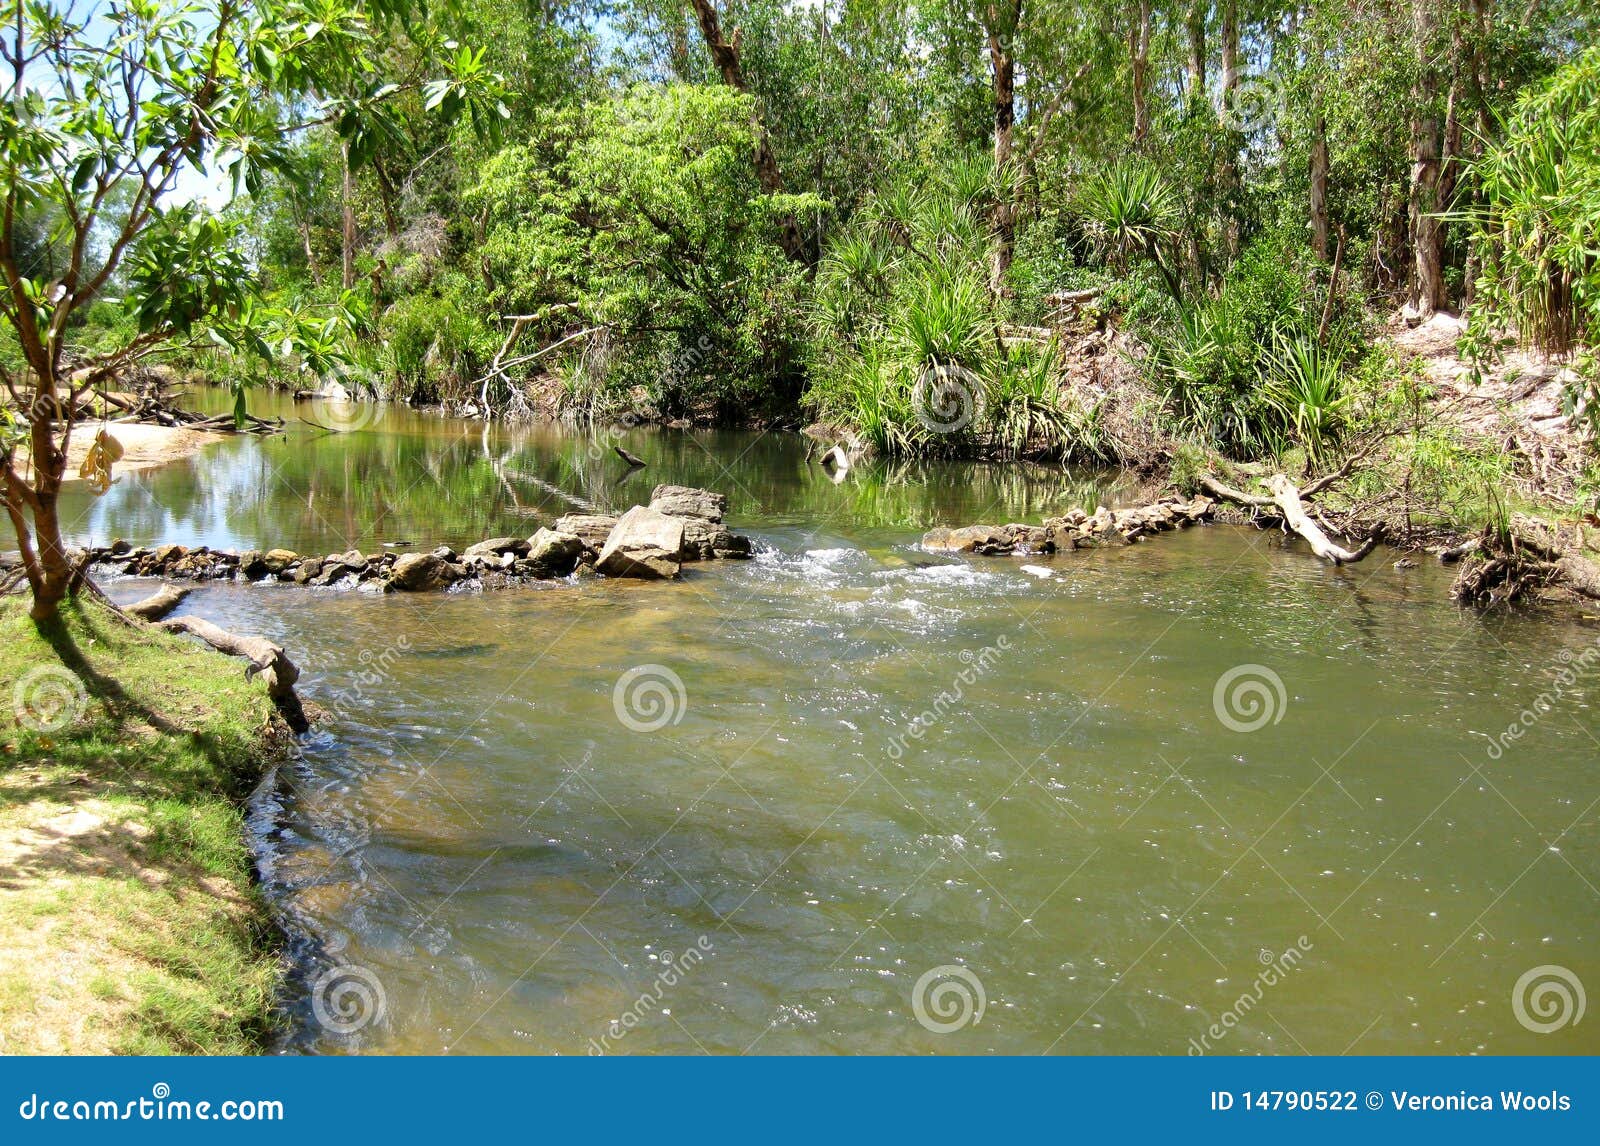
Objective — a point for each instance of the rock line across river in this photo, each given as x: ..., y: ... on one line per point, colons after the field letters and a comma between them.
x: 652, y: 541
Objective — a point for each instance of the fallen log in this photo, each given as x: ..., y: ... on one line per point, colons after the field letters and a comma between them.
x: 158, y: 604
x: 267, y: 660
x: 1284, y: 496
x: 1287, y: 498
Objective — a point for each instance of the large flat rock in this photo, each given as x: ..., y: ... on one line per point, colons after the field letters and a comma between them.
x: 645, y: 543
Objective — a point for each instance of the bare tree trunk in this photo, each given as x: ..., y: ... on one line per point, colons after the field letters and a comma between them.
x: 45, y: 554
x: 1003, y: 21
x: 1319, y: 188
x: 1230, y: 94
x: 348, y: 240
x: 1195, y: 73
x: 725, y: 55
x: 1139, y: 53
x: 1230, y: 48
x: 1427, y: 232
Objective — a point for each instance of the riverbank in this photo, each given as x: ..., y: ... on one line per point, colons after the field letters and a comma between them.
x: 129, y: 921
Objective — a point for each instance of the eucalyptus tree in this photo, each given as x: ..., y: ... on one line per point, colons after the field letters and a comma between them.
x: 107, y: 116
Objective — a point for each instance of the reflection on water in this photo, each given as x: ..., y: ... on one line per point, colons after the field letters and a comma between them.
x: 849, y: 791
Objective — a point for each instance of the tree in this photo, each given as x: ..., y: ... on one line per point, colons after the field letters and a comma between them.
x: 103, y: 117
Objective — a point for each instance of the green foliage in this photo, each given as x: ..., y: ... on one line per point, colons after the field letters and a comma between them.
x: 1539, y: 227
x: 906, y: 342
x: 1245, y: 370
x: 643, y: 216
x: 1130, y: 212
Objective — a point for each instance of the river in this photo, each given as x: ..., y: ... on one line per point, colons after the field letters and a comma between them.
x: 848, y: 794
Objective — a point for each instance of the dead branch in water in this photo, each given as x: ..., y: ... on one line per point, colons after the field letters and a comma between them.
x: 1289, y: 501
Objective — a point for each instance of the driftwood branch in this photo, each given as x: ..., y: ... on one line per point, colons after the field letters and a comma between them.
x: 267, y: 660
x: 1288, y: 500
x: 158, y: 604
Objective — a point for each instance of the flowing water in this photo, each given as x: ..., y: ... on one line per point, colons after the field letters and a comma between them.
x: 753, y: 810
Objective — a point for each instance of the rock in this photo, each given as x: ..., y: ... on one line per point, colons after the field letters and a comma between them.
x: 168, y: 554
x: 552, y: 553
x: 445, y: 553
x: 645, y: 543
x: 278, y: 560
x: 496, y: 546
x: 985, y: 540
x: 353, y: 560
x: 253, y: 565
x: 685, y: 501
x: 704, y: 540
x: 308, y: 569
x: 119, y: 548
x: 1102, y: 523
x: 591, y: 528
x: 418, y: 572
x: 332, y: 573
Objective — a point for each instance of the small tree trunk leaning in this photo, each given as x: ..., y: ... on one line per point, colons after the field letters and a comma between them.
x: 1319, y: 188
x: 267, y: 660
x: 1002, y: 28
x: 725, y: 55
x: 158, y: 604
x: 1287, y: 498
x: 1139, y: 54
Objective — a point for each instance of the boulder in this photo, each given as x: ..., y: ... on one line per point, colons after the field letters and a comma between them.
x: 705, y: 540
x: 553, y: 554
x: 253, y: 565
x: 308, y: 569
x: 591, y: 528
x: 353, y: 560
x: 685, y: 501
x: 985, y: 540
x: 645, y: 543
x: 277, y: 560
x: 417, y: 572
x: 497, y: 546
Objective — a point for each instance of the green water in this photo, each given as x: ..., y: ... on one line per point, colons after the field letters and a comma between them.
x: 513, y: 865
